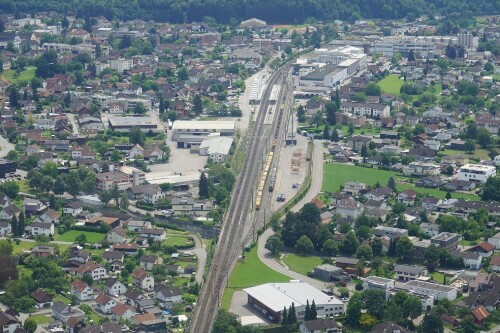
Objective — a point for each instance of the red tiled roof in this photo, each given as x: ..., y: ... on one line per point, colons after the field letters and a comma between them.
x: 480, y: 313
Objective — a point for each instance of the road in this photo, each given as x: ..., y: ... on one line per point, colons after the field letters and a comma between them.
x: 201, y: 254
x: 6, y: 146
x: 74, y: 125
x: 233, y: 236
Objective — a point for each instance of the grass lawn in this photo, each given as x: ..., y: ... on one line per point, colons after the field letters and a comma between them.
x: 26, y: 75
x: 336, y: 175
x: 24, y: 271
x: 176, y: 241
x: 301, y: 264
x: 61, y: 298
x: 248, y: 273
x: 22, y: 246
x: 70, y: 236
x: 391, y: 84
x: 496, y: 76
x: 41, y: 319
x: 480, y: 153
x: 438, y: 277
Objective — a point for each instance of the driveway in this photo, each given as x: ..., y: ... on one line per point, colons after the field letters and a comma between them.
x: 6, y: 146
x: 74, y: 125
x: 201, y: 253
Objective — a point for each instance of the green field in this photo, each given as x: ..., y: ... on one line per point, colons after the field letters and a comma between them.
x: 248, y: 273
x: 61, y: 298
x: 26, y: 75
x: 70, y: 236
x: 177, y: 241
x: 335, y: 175
x: 41, y: 319
x: 391, y: 84
x: 23, y: 246
x: 301, y: 264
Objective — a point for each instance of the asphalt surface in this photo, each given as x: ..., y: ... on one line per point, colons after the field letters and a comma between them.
x: 6, y: 146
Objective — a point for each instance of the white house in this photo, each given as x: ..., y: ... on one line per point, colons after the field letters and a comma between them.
x: 157, y: 235
x: 104, y: 303
x: 407, y: 272
x: 495, y: 263
x: 353, y: 188
x: 40, y: 228
x: 95, y: 270
x: 350, y: 208
x: 477, y: 173
x: 5, y: 228
x: 73, y: 208
x: 9, y: 323
x: 320, y: 325
x: 148, y: 261
x: 407, y: 197
x: 430, y: 229
x: 142, y: 279
x: 432, y: 144
x: 134, y: 225
x: 117, y: 235
x: 471, y: 260
x: 82, y: 291
x: 495, y: 241
x: 168, y: 295
x: 114, y: 287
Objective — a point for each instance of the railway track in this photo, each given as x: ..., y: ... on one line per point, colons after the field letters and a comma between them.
x: 233, y: 235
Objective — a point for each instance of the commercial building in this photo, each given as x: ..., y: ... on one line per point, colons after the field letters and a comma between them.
x: 379, y: 283
x: 217, y: 148
x: 392, y: 233
x: 422, y: 46
x: 271, y: 298
x: 431, y: 289
x: 476, y: 172
x: 188, y: 129
x: 125, y: 124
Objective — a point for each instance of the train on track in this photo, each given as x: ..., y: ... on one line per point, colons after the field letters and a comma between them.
x: 262, y: 181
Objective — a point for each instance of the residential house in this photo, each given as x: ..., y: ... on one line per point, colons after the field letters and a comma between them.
x: 379, y: 194
x: 495, y: 240
x: 42, y: 251
x: 470, y: 260
x: 349, y: 208
x: 8, y: 323
x: 95, y: 270
x: 4, y: 200
x: 407, y: 272
x: 113, y: 287
x: 82, y: 291
x: 407, y: 197
x: 142, y: 279
x: 148, y: 261
x: 430, y: 229
x: 353, y: 188
x: 323, y: 325
x: 8, y: 212
x: 135, y: 226
x: 168, y: 294
x: 438, y: 291
x: 421, y: 169
x: 73, y: 208
x: 430, y: 203
x: 149, y: 193
x: 484, y: 249
x: 356, y: 142
x: 392, y: 233
x: 389, y: 327
x: 156, y: 235
x: 50, y: 216
x: 104, y: 303
x: 115, y: 259
x: 480, y: 314
x: 63, y: 312
x: 5, y: 228
x: 446, y: 240
x: 495, y: 263
x: 33, y: 206
x: 42, y: 298
x: 40, y: 228
x: 123, y: 312
x: 116, y: 235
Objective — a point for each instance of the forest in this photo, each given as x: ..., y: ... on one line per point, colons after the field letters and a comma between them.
x: 272, y: 11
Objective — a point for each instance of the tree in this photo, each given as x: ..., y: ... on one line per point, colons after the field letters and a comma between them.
x: 307, y: 314
x: 6, y: 247
x: 317, y: 119
x: 30, y: 325
x: 354, y: 307
x: 350, y: 243
x: 197, y: 104
x: 115, y: 194
x: 136, y: 136
x: 8, y: 269
x: 470, y: 146
x: 87, y: 278
x: 47, y: 184
x: 124, y: 202
x: 284, y: 317
x: 412, y: 307
x: 73, y: 183
x: 331, y: 113
x: 301, y: 114
x: 14, y: 225
x: 89, y: 183
x: 105, y: 197
x: 139, y: 108
x: 491, y: 189
x: 14, y: 97
x: 292, y: 314
x: 391, y: 183
x: 468, y: 325
x: 448, y: 195
x: 364, y: 153
x: 21, y: 223
x: 330, y: 248
x: 115, y: 156
x: 404, y: 248
x: 484, y: 138
x: 411, y: 55
x: 377, y: 246
x: 274, y: 244
x: 432, y: 323
x: 182, y: 73
x: 367, y: 321
x: 81, y: 239
x: 326, y: 132
x: 11, y: 189
x: 372, y: 89
x: 203, y: 186
x: 374, y: 302
x: 304, y: 245
x: 364, y: 252
x: 314, y: 311
x: 59, y: 186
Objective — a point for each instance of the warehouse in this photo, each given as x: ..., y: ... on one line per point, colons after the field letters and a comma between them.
x: 124, y: 124
x: 271, y: 298
x: 201, y: 128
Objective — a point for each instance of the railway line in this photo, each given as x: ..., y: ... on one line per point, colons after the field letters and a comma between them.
x: 241, y: 217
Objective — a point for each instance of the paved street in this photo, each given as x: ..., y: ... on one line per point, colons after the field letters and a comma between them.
x: 74, y: 125
x: 6, y: 146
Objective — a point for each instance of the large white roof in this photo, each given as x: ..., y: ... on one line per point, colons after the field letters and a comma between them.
x: 276, y: 296
x: 203, y: 125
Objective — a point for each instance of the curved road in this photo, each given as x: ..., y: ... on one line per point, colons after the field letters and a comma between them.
x: 317, y: 180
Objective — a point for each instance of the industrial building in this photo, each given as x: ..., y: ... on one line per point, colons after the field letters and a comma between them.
x: 271, y: 298
x: 188, y: 133
x: 217, y: 148
x: 125, y: 124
